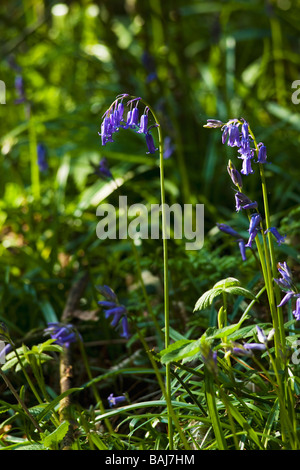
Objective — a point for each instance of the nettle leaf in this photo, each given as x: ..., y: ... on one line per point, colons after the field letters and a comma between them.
x: 182, y: 349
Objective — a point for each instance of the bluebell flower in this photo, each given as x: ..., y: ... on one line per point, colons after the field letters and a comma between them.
x: 235, y: 175
x: 246, y: 167
x: 41, y: 158
x: 63, y: 334
x: 113, y: 308
x: 150, y: 143
x: 143, y: 124
x: 128, y: 120
x: 262, y: 153
x: 125, y: 327
x: 108, y: 293
x: 134, y: 118
x: 287, y: 285
x: 254, y: 228
x: 233, y: 136
x: 247, y: 348
x: 296, y: 312
x: 285, y: 272
x: 227, y: 229
x: 243, y: 202
x: 213, y: 123
x: 242, y: 247
x: 3, y: 351
x: 230, y: 231
x: 113, y: 401
x: 102, y: 170
x: 245, y: 142
x: 106, y: 131
x: 279, y: 238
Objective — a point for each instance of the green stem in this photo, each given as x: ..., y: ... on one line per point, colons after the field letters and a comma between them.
x: 273, y: 259
x: 166, y: 288
x: 20, y: 401
x: 94, y: 388
x: 165, y: 275
x: 146, y: 297
x: 164, y: 390
x: 35, y: 174
x: 29, y: 381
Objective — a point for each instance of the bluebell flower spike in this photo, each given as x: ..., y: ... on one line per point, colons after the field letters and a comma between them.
x: 112, y: 308
x: 113, y: 120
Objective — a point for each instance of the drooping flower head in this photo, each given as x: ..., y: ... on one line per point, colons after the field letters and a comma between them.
x: 243, y: 202
x: 113, y: 308
x: 279, y: 238
x: 230, y: 231
x: 113, y: 120
x: 235, y: 175
x: 254, y: 228
x: 63, y: 334
x: 262, y: 153
x: 236, y: 133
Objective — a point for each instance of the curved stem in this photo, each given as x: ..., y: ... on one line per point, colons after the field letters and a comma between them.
x: 165, y: 276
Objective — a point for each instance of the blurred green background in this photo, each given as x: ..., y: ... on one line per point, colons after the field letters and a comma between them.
x: 191, y: 60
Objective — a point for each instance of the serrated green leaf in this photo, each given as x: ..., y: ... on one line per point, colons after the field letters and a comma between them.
x: 237, y: 290
x: 56, y: 436
x: 207, y: 298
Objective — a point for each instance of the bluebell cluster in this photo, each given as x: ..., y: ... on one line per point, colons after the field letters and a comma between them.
x: 236, y: 134
x: 113, y: 120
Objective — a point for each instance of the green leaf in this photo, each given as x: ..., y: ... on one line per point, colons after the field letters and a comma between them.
x: 56, y: 436
x: 56, y: 400
x: 179, y: 350
x: 236, y: 290
x: 227, y: 330
x: 229, y: 285
x: 228, y: 282
x: 207, y: 298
